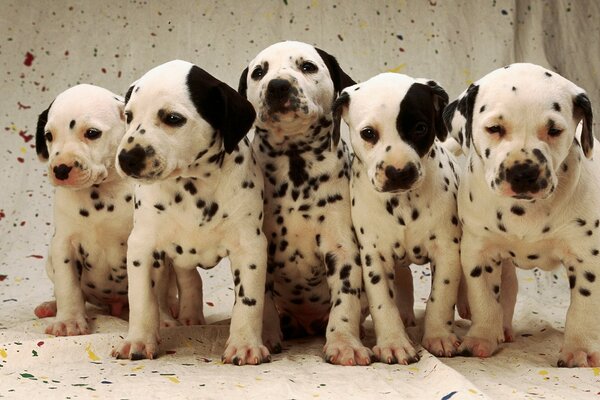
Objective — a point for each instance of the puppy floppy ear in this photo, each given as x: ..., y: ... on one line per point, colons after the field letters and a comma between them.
x: 458, y: 117
x: 243, y: 84
x: 128, y: 94
x: 40, y: 135
x: 440, y: 101
x: 338, y: 107
x: 582, y: 110
x: 340, y: 79
x: 221, y: 106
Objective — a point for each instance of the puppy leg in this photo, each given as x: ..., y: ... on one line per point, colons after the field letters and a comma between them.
x: 462, y: 304
x: 70, y: 304
x: 508, y: 298
x: 581, y: 346
x: 483, y: 282
x: 143, y: 336
x: 405, y: 300
x: 189, y: 284
x: 271, y: 334
x: 249, y: 267
x: 438, y: 337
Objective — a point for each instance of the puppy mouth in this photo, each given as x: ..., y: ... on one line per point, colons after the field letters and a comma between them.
x: 76, y: 176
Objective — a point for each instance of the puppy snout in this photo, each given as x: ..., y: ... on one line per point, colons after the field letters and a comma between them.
x: 133, y: 161
x: 523, y: 177
x: 278, y: 91
x: 400, y: 179
x: 61, y: 172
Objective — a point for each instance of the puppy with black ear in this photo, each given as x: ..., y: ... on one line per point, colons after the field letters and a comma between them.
x: 528, y: 198
x: 199, y: 200
x: 403, y: 189
x: 314, y: 266
x: 78, y: 136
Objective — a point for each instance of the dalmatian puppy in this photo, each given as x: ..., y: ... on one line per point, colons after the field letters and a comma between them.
x: 314, y: 267
x: 93, y: 209
x: 526, y: 199
x: 403, y: 189
x: 199, y: 200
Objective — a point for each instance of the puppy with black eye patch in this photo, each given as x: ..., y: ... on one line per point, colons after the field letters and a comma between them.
x: 314, y: 268
x: 78, y: 136
x: 403, y: 189
x: 199, y: 200
x: 528, y: 198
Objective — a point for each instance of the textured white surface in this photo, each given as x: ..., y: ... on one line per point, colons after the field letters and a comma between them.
x: 46, y: 47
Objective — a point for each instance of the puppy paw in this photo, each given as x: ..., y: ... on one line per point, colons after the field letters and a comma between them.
x: 509, y: 335
x: 272, y: 339
x: 578, y: 358
x: 408, y: 318
x: 239, y: 353
x: 69, y: 327
x: 137, y: 349
x: 442, y: 345
x: 166, y: 321
x: 193, y: 319
x: 346, y: 350
x: 477, y: 347
x: 396, y: 352
x: 46, y: 309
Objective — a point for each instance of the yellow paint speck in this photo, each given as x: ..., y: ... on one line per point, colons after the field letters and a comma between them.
x: 173, y: 379
x: 23, y: 150
x: 138, y: 368
x: 314, y: 3
x: 3, y: 353
x: 543, y: 372
x: 596, y: 371
x: 91, y: 355
x: 362, y: 24
x: 397, y: 69
x: 414, y: 369
x: 473, y: 391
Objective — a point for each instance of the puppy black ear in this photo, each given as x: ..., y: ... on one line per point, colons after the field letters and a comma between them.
x: 243, y: 84
x: 340, y: 79
x: 221, y: 106
x: 40, y: 135
x: 128, y: 94
x: 458, y: 117
x: 582, y: 110
x: 338, y: 109
x: 440, y: 101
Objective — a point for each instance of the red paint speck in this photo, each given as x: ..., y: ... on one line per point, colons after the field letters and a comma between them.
x: 25, y: 136
x: 3, y: 277
x: 103, y: 70
x: 35, y: 256
x: 119, y: 74
x: 170, y: 352
x: 22, y: 106
x: 2, y: 215
x: 21, y: 160
x: 22, y: 223
x: 28, y: 59
x: 210, y: 304
x: 40, y: 344
x: 401, y: 50
x: 66, y: 53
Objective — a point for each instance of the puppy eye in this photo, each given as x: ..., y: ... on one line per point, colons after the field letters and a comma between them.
x: 308, y: 67
x: 128, y: 116
x: 48, y: 136
x: 174, y: 119
x: 92, y: 134
x: 495, y: 129
x: 369, y: 135
x: 420, y: 129
x: 257, y: 73
x: 554, y: 132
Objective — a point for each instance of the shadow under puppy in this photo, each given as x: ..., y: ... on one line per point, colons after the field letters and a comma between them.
x: 93, y: 210
x: 528, y: 198
x: 199, y: 200
x: 403, y: 189
x: 313, y: 261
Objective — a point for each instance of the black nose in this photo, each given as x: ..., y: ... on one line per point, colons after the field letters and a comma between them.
x: 400, y: 179
x: 62, y: 172
x: 523, y: 177
x: 133, y: 161
x: 278, y: 90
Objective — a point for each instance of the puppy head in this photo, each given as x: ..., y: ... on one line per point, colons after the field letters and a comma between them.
x: 175, y: 114
x: 292, y: 85
x: 393, y: 121
x: 78, y: 135
x: 521, y: 121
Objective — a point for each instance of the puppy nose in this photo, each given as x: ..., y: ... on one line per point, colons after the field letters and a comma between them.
x: 132, y: 162
x: 62, y: 172
x: 278, y: 89
x: 523, y: 177
x: 400, y: 178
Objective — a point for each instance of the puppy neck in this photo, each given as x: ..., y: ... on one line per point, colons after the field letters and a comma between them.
x: 316, y: 138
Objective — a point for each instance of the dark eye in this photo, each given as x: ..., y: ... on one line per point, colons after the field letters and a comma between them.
x: 495, y: 129
x: 128, y: 116
x: 308, y: 67
x: 369, y: 135
x: 257, y: 73
x: 554, y: 132
x: 420, y: 129
x: 48, y: 136
x: 93, y: 133
x: 173, y: 119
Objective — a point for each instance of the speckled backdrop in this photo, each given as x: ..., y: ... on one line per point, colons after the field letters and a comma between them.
x: 47, y: 46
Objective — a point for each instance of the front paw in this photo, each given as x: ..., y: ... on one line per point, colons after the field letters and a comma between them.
x: 242, y: 352
x: 346, y: 350
x: 396, y: 351
x: 571, y: 358
x: 478, y: 347
x: 445, y: 345
x: 69, y: 327
x: 137, y: 349
x: 272, y: 338
x: 46, y: 309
